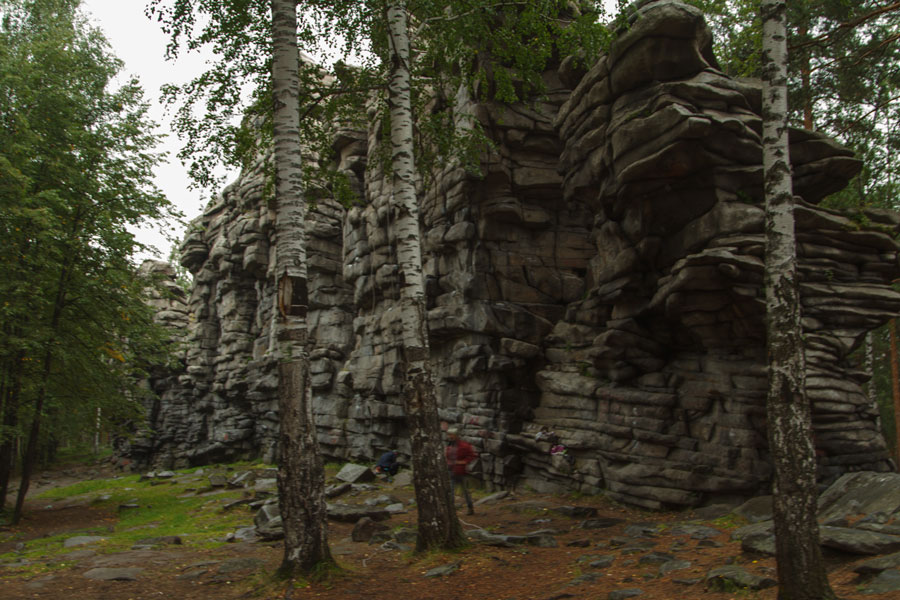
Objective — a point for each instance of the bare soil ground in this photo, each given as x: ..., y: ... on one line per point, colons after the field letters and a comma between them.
x: 244, y: 570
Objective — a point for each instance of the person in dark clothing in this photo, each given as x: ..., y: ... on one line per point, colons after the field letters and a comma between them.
x: 388, y: 464
x: 459, y: 454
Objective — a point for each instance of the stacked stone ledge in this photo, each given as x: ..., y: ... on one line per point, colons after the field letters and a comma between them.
x: 601, y: 277
x: 660, y: 372
x: 163, y: 405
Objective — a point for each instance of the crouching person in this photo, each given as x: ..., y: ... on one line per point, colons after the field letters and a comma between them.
x: 388, y: 464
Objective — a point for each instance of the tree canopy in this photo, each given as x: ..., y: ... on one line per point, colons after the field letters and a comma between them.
x: 843, y: 77
x: 76, y: 164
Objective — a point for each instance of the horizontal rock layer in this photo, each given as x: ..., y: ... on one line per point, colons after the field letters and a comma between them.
x: 601, y: 279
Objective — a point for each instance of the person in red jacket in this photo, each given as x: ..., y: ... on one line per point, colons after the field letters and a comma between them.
x: 459, y: 454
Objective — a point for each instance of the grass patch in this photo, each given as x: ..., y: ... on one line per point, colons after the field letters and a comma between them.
x: 96, y: 487
x: 183, y: 506
x: 729, y: 521
x: 430, y: 559
x: 332, y: 469
x: 276, y: 584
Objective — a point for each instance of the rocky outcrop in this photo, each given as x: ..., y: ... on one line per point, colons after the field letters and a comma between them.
x: 164, y: 407
x: 600, y: 279
x: 659, y: 373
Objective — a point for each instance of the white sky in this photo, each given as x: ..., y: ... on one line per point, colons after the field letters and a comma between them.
x: 141, y: 44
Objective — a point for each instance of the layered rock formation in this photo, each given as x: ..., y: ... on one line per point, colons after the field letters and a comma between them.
x: 660, y: 371
x: 601, y: 278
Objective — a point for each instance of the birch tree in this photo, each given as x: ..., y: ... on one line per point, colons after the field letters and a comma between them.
x: 258, y: 40
x: 801, y: 571
x: 438, y: 524
x: 301, y: 477
x: 505, y: 45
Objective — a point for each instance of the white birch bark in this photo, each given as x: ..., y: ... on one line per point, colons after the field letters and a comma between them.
x: 801, y: 572
x: 871, y: 388
x: 438, y: 526
x: 301, y: 478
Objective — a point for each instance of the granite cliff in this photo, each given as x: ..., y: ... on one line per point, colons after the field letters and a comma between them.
x: 601, y: 278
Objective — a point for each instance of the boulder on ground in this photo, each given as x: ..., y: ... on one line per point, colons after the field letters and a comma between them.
x: 365, y: 528
x: 353, y: 473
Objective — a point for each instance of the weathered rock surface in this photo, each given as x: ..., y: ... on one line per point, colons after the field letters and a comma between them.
x: 114, y: 574
x: 730, y: 577
x: 887, y: 581
x: 877, y: 565
x: 82, y: 540
x: 351, y: 473
x: 602, y: 279
x: 365, y: 528
x: 858, y: 514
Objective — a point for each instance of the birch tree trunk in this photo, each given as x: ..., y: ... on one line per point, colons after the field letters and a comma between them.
x: 801, y: 572
x: 871, y: 388
x: 438, y: 526
x: 301, y: 478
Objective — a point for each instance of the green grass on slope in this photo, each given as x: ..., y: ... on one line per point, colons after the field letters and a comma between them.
x: 183, y: 506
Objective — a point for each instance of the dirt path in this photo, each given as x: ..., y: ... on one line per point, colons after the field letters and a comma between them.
x: 584, y: 563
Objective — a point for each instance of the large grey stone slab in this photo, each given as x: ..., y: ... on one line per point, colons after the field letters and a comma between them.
x: 351, y: 513
x: 697, y: 532
x: 365, y: 528
x: 673, y: 565
x: 859, y: 493
x: 733, y: 576
x: 886, y: 582
x: 756, y: 509
x: 352, y: 473
x: 625, y: 593
x: 114, y: 574
x: 858, y: 541
x: 235, y: 565
x: 82, y: 540
x: 877, y: 565
x: 265, y: 514
x: 443, y: 570
x: 492, y: 498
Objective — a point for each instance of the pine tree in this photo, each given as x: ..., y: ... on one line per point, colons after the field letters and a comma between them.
x: 75, y: 171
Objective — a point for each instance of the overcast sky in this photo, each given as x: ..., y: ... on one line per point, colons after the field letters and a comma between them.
x: 140, y: 43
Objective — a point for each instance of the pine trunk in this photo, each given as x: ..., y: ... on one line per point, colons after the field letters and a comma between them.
x: 805, y: 83
x: 895, y: 389
x: 31, y: 448
x: 301, y: 478
x: 801, y: 571
x: 11, y: 393
x: 438, y: 525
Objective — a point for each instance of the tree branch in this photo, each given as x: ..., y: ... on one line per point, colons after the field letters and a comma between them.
x: 846, y: 25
